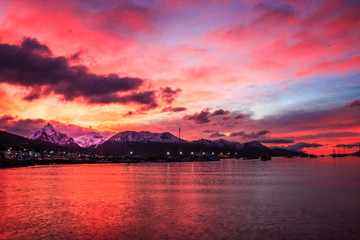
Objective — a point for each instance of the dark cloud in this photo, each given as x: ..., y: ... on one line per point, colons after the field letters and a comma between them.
x: 235, y: 134
x: 129, y: 113
x: 239, y: 116
x: 146, y: 98
x: 276, y: 140
x: 204, y: 115
x: 208, y: 131
x: 173, y: 109
x: 217, y: 134
x: 300, y: 145
x: 219, y: 112
x: 76, y: 56
x: 199, y: 118
x: 355, y: 103
x: 32, y: 65
x: 168, y: 95
x: 328, y: 135
x: 355, y: 145
x: 336, y: 118
x: 225, y: 118
x: 32, y: 45
x: 22, y: 127
x: 250, y: 135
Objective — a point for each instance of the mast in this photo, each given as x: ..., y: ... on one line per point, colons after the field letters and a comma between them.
x: 179, y: 143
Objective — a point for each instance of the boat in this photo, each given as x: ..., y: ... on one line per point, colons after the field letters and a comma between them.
x: 265, y: 158
x: 211, y: 157
x: 160, y: 160
x: 250, y: 158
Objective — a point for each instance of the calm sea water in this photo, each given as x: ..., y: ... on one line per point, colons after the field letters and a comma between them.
x: 231, y: 199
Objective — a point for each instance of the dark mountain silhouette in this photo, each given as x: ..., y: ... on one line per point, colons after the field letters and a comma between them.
x: 146, y: 144
x: 10, y: 140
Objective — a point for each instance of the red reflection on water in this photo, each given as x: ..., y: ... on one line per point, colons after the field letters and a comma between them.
x: 227, y: 199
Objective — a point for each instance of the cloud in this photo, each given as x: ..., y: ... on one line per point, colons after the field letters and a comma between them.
x: 168, y: 95
x: 147, y: 99
x: 129, y: 113
x: 328, y: 135
x: 225, y: 118
x: 300, y: 145
x: 122, y: 16
x: 239, y: 116
x: 204, y: 115
x: 274, y: 15
x: 355, y: 145
x: 199, y: 118
x: 250, y: 135
x: 32, y: 65
x: 355, y: 103
x: 23, y: 127
x: 219, y: 112
x: 335, y: 118
x: 276, y: 140
x: 208, y: 131
x: 173, y: 109
x: 217, y: 134
x: 33, y: 45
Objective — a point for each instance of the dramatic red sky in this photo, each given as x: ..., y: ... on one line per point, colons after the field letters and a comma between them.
x: 281, y: 72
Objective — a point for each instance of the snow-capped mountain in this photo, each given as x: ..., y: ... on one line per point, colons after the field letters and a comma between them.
x: 220, y: 143
x: 49, y: 134
x: 228, y: 144
x: 203, y: 141
x: 90, y: 139
x: 144, y: 136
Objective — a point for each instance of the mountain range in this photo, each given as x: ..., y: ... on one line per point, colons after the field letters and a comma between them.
x: 91, y: 139
x: 50, y: 134
x: 144, y: 143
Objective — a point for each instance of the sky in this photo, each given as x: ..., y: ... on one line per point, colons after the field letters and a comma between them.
x: 285, y: 73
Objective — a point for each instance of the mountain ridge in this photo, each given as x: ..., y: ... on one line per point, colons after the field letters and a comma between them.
x: 49, y: 134
x: 146, y: 143
x: 91, y: 139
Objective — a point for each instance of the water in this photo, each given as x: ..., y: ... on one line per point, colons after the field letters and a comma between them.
x: 231, y: 199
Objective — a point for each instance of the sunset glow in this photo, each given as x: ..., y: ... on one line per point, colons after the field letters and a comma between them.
x: 285, y: 73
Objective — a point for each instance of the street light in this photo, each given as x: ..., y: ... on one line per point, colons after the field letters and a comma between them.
x: 180, y: 153
x: 168, y: 153
x: 131, y: 153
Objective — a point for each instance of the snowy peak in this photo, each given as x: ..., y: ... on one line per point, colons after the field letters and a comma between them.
x: 220, y: 143
x: 228, y: 144
x: 49, y: 134
x: 90, y: 139
x: 203, y: 141
x: 144, y: 136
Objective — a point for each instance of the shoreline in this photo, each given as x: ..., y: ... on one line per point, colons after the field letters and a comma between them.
x: 27, y: 163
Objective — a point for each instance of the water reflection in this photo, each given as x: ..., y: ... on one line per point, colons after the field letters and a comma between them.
x: 230, y: 199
